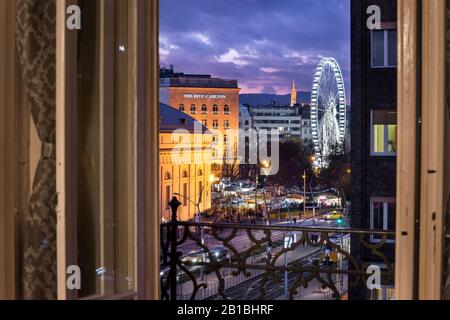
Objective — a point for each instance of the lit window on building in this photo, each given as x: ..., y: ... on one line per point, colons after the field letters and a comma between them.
x: 200, y: 190
x: 384, y: 48
x: 185, y: 194
x: 168, y: 196
x: 384, y: 132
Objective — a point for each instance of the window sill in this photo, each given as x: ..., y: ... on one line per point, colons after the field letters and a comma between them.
x: 385, y: 155
x: 383, y: 67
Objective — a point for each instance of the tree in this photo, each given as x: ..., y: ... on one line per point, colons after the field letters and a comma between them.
x: 295, y: 158
x: 337, y: 172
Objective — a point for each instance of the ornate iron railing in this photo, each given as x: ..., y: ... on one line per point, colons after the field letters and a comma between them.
x: 260, y: 262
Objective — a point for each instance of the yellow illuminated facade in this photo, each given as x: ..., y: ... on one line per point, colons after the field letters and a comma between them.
x: 185, y: 164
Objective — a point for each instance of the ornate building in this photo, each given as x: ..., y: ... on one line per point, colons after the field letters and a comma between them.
x: 185, y: 163
x: 211, y: 101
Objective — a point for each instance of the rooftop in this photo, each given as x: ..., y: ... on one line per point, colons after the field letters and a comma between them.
x: 172, y: 119
x: 170, y: 78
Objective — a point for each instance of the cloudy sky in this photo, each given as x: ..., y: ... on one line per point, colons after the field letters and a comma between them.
x: 264, y: 44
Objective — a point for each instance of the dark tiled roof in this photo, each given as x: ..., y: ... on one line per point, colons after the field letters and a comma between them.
x: 171, y: 119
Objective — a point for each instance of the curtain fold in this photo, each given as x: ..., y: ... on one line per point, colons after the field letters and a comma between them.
x: 36, y: 46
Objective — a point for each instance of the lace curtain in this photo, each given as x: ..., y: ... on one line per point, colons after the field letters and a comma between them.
x: 36, y: 42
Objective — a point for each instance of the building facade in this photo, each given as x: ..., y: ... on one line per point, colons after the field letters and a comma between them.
x: 286, y: 120
x: 211, y: 101
x: 185, y: 164
x: 374, y: 125
x: 305, y: 114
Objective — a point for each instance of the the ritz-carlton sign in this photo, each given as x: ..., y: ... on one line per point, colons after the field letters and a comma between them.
x: 205, y: 96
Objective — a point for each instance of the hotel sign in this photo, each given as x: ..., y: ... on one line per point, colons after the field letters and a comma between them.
x: 205, y: 96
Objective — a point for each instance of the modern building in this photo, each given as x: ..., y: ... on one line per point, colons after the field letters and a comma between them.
x: 374, y: 126
x: 284, y: 119
x: 185, y: 163
x: 213, y: 102
x: 305, y: 114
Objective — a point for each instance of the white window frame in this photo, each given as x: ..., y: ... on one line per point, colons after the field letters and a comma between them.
x: 385, y: 201
x: 386, y: 49
x: 386, y: 140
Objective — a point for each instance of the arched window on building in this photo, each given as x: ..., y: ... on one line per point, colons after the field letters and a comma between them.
x: 226, y: 109
x: 200, y: 173
x: 182, y: 107
x: 204, y: 109
x: 193, y: 109
x: 215, y: 109
x: 167, y: 176
x: 185, y: 174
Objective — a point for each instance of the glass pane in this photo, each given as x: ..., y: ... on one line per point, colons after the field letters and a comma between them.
x: 105, y: 152
x: 392, y: 138
x: 378, y: 214
x: 378, y: 48
x: 378, y: 139
x: 392, y: 48
x: 391, y: 215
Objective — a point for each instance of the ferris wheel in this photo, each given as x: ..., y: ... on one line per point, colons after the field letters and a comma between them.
x: 328, y: 109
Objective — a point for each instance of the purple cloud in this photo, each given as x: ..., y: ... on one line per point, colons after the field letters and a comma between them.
x: 264, y: 44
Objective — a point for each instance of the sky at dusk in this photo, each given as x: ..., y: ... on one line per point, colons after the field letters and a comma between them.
x: 264, y: 44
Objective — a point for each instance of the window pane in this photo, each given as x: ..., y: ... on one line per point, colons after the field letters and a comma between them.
x: 105, y: 153
x: 378, y: 139
x: 378, y: 48
x: 391, y: 215
x: 392, y: 48
x: 378, y: 214
x: 392, y: 138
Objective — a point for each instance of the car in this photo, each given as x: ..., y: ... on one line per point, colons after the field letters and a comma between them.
x: 335, y: 215
x: 219, y: 252
x: 193, y: 258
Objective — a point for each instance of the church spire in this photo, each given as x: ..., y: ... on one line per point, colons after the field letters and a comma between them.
x: 293, y: 94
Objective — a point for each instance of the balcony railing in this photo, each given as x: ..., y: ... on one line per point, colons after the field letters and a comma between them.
x: 259, y: 262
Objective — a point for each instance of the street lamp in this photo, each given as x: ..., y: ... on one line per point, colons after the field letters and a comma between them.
x: 304, y: 194
x: 266, y: 168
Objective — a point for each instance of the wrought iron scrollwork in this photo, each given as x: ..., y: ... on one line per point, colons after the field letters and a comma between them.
x: 249, y: 257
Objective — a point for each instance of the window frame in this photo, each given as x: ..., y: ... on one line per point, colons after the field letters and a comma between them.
x: 385, y: 48
x: 386, y: 138
x: 143, y: 92
x: 386, y: 201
